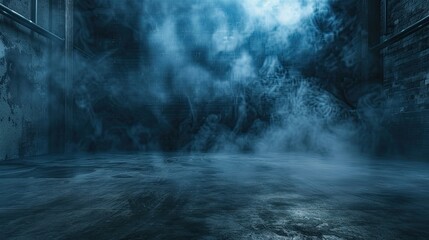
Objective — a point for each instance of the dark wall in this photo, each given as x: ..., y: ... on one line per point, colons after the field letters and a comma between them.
x: 25, y: 70
x: 119, y: 88
x: 406, y: 73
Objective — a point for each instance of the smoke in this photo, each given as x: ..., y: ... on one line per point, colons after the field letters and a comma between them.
x: 227, y: 75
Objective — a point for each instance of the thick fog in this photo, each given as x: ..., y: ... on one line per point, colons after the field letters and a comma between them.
x: 226, y: 75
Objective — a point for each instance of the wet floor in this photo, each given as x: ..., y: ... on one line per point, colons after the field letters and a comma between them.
x: 217, y: 196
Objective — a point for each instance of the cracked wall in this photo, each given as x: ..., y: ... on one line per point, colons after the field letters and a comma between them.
x: 24, y: 74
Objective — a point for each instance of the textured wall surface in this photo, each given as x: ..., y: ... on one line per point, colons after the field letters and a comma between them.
x: 403, y: 13
x: 24, y: 71
x: 406, y: 72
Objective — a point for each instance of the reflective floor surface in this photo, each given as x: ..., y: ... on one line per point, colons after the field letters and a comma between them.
x: 213, y: 196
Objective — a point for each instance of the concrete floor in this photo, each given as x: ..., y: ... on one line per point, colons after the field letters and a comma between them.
x: 217, y: 196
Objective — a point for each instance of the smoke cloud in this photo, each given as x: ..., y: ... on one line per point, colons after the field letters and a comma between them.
x: 227, y: 75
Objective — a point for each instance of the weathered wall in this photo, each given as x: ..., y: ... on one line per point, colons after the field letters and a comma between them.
x: 406, y: 73
x: 24, y: 71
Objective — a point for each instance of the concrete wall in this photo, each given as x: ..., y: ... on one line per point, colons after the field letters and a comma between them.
x: 406, y: 73
x: 24, y: 86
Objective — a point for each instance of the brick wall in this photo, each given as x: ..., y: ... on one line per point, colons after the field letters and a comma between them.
x: 406, y: 73
x: 403, y: 13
